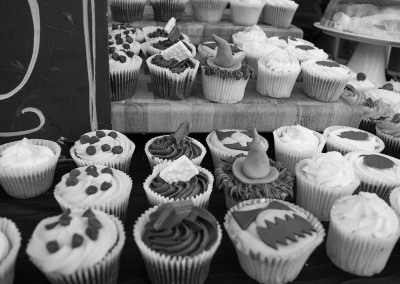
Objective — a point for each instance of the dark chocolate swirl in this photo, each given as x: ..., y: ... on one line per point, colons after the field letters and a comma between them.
x: 173, y: 65
x: 164, y: 44
x: 167, y: 148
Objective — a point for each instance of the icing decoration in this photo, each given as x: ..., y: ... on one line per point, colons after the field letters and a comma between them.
x: 181, y: 132
x: 170, y: 214
x: 65, y: 219
x: 175, y: 34
x: 361, y: 76
x: 84, y: 139
x: 170, y: 25
x: 178, y: 51
x: 278, y: 206
x: 236, y: 140
x: 117, y: 149
x: 378, y: 162
x: 51, y: 225
x: 245, y: 218
x: 105, y: 186
x: 182, y: 169
x: 113, y: 134
x: 369, y: 102
x: 91, y: 150
x: 388, y: 86
x: 396, y: 118
x: 77, y: 240
x: 354, y: 135
x: 105, y: 147
x: 224, y: 56
x: 107, y: 171
x: 226, y: 134
x: 95, y: 223
x: 305, y: 47
x: 88, y: 213
x: 52, y: 246
x: 328, y: 63
x: 211, y: 45
x: 92, y: 233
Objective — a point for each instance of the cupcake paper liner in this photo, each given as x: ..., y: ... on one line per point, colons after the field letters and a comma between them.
x: 154, y: 198
x: 209, y: 11
x: 29, y: 182
x: 156, y: 160
x: 332, y: 145
x: 103, y: 272
x: 392, y: 144
x: 393, y: 202
x: 318, y: 199
x: 172, y: 86
x: 7, y: 265
x: 246, y: 13
x: 289, y: 156
x: 164, y: 10
x: 166, y: 269
x: 266, y: 268
x: 355, y: 254
x: 127, y: 11
x: 368, y: 124
x: 278, y: 16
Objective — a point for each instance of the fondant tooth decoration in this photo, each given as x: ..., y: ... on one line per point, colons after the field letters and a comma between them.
x: 182, y: 169
x: 182, y: 132
x: 170, y: 25
x: 178, y: 51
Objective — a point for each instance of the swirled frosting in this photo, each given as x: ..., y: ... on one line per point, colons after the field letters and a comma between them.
x: 354, y: 139
x: 365, y: 214
x: 352, y: 96
x: 389, y: 127
x: 102, y: 145
x: 300, y: 138
x: 25, y: 154
x: 4, y: 246
x: 379, y: 110
x: 326, y: 69
x: 173, y: 65
x: 284, y: 41
x: 259, y: 49
x: 253, y: 33
x: 167, y: 148
x: 71, y: 241
x: 307, y: 52
x: 329, y: 169
x: 281, y: 61
x: 361, y: 83
x: 389, y: 97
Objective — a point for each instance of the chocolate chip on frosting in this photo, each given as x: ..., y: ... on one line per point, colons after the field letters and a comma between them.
x: 92, y: 233
x: 92, y: 171
x: 115, y: 56
x: 91, y: 189
x: 107, y: 171
x: 114, y: 26
x: 129, y: 39
x: 110, y: 42
x: 94, y: 139
x: 105, y: 185
x: 91, y: 150
x: 117, y: 150
x: 100, y: 134
x: 117, y: 36
x: 120, y: 41
x: 130, y: 53
x: 52, y: 246
x: 105, y: 147
x: 122, y: 59
x: 111, y: 50
x: 126, y: 32
x: 126, y: 46
x: 77, y: 240
x: 123, y: 26
x: 113, y: 134
x: 88, y: 213
x: 65, y: 218
x: 51, y: 225
x: 84, y: 139
x: 74, y: 173
x: 95, y: 223
x: 71, y: 181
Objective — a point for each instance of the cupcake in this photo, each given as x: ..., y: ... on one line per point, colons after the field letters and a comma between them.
x: 255, y: 50
x: 165, y: 148
x: 97, y: 187
x: 127, y: 10
x: 253, y: 176
x: 10, y: 243
x: 173, y: 72
x: 304, y: 52
x: 224, y: 79
x: 126, y: 32
x: 273, y: 239
x: 155, y: 33
x: 163, y: 10
x: 360, y: 82
x: 227, y: 143
x: 324, y: 80
x: 323, y: 179
x: 277, y: 73
x: 209, y: 49
x: 285, y: 41
x: 353, y: 97
x: 362, y: 233
x: 389, y: 131
x: 378, y: 173
x: 103, y: 147
x: 279, y: 13
x: 253, y: 33
x: 177, y: 241
x: 209, y: 11
x: 246, y: 12
x: 27, y: 167
x: 77, y: 247
x: 348, y: 139
x: 374, y: 112
x: 123, y: 40
x: 392, y: 85
x: 295, y: 143
x: 179, y: 180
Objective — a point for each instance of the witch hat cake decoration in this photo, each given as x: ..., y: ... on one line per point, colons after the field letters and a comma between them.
x: 224, y: 58
x: 255, y: 167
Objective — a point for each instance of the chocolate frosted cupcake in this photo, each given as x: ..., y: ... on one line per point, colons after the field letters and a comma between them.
x: 163, y: 10
x: 256, y: 50
x: 209, y: 49
x: 155, y: 33
x: 126, y: 31
x: 389, y: 131
x: 253, y: 33
x: 127, y: 10
x: 10, y: 243
x: 279, y: 13
x: 209, y: 11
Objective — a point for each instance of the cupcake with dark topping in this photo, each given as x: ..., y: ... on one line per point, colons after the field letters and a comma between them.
x: 209, y: 11
x: 127, y: 10
x: 224, y: 79
x: 10, y: 243
x: 127, y: 31
x: 209, y: 49
x: 163, y: 10
x: 253, y: 176
x: 360, y: 82
x: 157, y: 33
x: 177, y: 241
x: 373, y: 112
x: 103, y: 147
x: 352, y: 96
x: 389, y: 131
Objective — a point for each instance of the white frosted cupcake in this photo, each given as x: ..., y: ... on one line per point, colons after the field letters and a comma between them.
x: 103, y: 147
x: 363, y: 230
x: 10, y: 243
x: 97, y: 187
x: 209, y: 11
x: 256, y: 50
x: 125, y: 31
x: 209, y: 49
x: 321, y: 180
x: 246, y: 12
x: 285, y: 41
x: 27, y: 166
x: 279, y: 13
x: 346, y: 139
x: 295, y: 143
x: 127, y: 11
x: 394, y: 200
x: 253, y: 33
x: 277, y: 74
x: 378, y: 173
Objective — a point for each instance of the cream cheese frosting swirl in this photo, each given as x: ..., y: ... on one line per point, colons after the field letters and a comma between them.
x: 4, y: 246
x: 25, y: 154
x: 253, y: 33
x: 389, y: 127
x: 379, y: 110
x: 307, y: 52
x: 281, y: 61
x: 259, y: 48
x: 71, y: 241
x: 354, y: 139
x: 300, y: 138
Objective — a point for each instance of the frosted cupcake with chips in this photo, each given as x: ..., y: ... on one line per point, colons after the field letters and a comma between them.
x: 279, y: 13
x: 253, y: 33
x: 10, y: 243
x: 157, y: 33
x: 209, y: 11
x: 246, y: 12
x: 127, y: 11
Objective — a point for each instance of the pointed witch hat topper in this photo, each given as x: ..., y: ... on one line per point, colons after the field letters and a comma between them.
x: 224, y: 58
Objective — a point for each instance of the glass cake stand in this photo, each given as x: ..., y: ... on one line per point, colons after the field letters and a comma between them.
x: 369, y: 56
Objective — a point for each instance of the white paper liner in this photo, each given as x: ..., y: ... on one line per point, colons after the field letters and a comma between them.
x: 290, y: 156
x: 149, y: 50
x: 392, y: 144
x: 318, y: 199
x: 117, y: 207
x: 164, y: 269
x: 368, y: 124
x: 103, y: 272
x: 150, y: 29
x: 246, y: 13
x: 393, y: 201
x: 218, y: 154
x: 164, y: 10
x: 266, y: 268
x: 127, y: 11
x: 170, y: 85
x: 7, y: 265
x: 156, y: 160
x: 333, y: 145
x: 29, y: 182
x: 209, y: 11
x: 363, y: 256
x: 200, y: 200
x: 275, y: 84
x: 278, y: 16
x: 123, y: 82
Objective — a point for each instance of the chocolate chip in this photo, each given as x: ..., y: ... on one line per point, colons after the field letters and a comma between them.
x: 88, y: 213
x: 361, y: 76
x: 130, y: 53
x: 105, y: 185
x: 133, y: 30
x: 126, y: 46
x: 84, y: 139
x: 118, y: 36
x: 105, y: 147
x: 122, y: 59
x: 92, y: 171
x: 94, y: 139
x: 64, y: 219
x: 123, y: 26
x: 110, y: 42
x: 74, y: 173
x: 90, y: 150
x: 115, y: 56
x: 109, y: 36
x: 113, y: 134
x: 51, y: 225
x: 111, y: 50
x: 71, y: 181
x: 107, y: 171
x: 388, y: 86
x: 117, y: 150
x: 126, y: 32
x: 77, y: 240
x: 114, y: 26
x: 52, y: 246
x: 129, y: 39
x: 95, y: 223
x: 120, y: 41
x: 100, y: 134
x: 91, y: 189
x: 92, y: 233
x: 91, y: 168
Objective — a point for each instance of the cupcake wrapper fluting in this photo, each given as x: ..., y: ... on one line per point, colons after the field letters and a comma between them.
x: 368, y: 124
x: 7, y: 265
x: 127, y: 11
x: 392, y: 144
x: 278, y: 16
x: 123, y: 82
x: 393, y: 202
x: 246, y: 14
x: 164, y: 10
x: 209, y: 11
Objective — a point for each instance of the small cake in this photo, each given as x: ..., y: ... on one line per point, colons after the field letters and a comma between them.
x: 253, y: 176
x: 127, y: 10
x: 27, y: 166
x: 10, y: 243
x: 179, y: 180
x: 227, y: 143
x: 295, y: 143
x: 279, y: 13
x: 127, y: 32
x: 273, y: 239
x: 388, y: 96
x: 165, y: 148
x: 156, y: 33
x: 352, y: 96
x: 256, y: 50
x: 323, y: 179
x: 78, y: 246
x: 177, y: 241
x: 378, y: 173
x: 246, y: 12
x: 389, y: 131
x: 285, y: 41
x: 252, y: 33
x: 349, y: 139
x: 277, y: 73
x: 360, y: 82
x: 324, y: 80
x: 373, y: 112
x: 97, y: 187
x: 362, y: 233
x: 103, y: 147
x: 209, y: 11
x: 163, y: 10
x: 224, y: 79
x: 394, y: 200
x: 209, y: 49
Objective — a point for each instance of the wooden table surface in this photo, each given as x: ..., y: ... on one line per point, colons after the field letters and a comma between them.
x: 224, y: 268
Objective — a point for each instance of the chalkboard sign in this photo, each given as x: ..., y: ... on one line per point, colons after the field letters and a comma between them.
x: 53, y: 68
